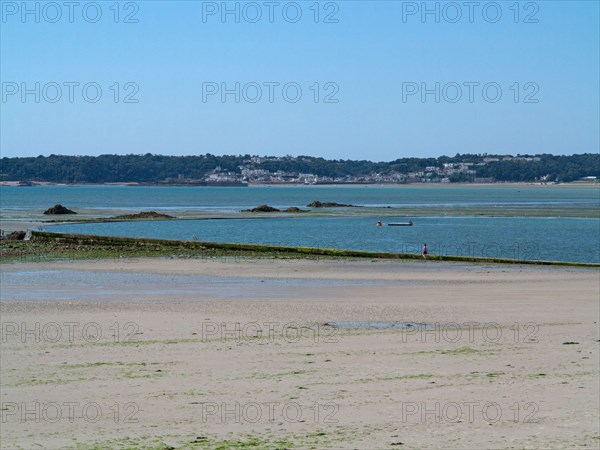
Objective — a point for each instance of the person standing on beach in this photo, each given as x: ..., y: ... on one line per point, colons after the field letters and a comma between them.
x: 424, y: 252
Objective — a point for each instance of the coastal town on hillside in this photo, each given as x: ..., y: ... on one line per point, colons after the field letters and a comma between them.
x: 244, y: 170
x: 431, y: 174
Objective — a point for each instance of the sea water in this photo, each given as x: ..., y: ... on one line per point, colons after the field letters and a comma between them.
x: 522, y: 238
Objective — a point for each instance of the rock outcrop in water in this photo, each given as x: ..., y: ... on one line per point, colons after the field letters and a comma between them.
x: 318, y: 204
x: 262, y: 209
x: 147, y: 215
x: 267, y: 209
x: 59, y: 209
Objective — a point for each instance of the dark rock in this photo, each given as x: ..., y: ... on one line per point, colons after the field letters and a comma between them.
x: 15, y: 236
x: 318, y: 204
x: 570, y: 343
x: 59, y: 209
x: 144, y: 215
x: 263, y: 208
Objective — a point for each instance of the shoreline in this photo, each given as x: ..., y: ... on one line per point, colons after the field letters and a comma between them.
x: 583, y: 184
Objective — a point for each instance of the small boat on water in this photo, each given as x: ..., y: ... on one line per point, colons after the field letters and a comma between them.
x: 401, y: 224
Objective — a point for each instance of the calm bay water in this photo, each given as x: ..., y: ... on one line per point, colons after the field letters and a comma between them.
x: 234, y: 199
x: 551, y: 238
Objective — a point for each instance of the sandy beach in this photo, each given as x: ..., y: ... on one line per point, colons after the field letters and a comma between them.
x: 215, y: 353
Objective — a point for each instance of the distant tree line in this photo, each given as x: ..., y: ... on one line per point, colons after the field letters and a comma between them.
x: 554, y: 168
x: 151, y: 168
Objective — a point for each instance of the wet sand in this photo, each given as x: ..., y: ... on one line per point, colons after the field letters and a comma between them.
x: 144, y: 353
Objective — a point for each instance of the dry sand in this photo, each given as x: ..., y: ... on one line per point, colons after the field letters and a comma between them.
x: 171, y: 369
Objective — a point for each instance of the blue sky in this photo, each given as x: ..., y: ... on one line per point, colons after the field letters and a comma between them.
x: 371, y: 61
